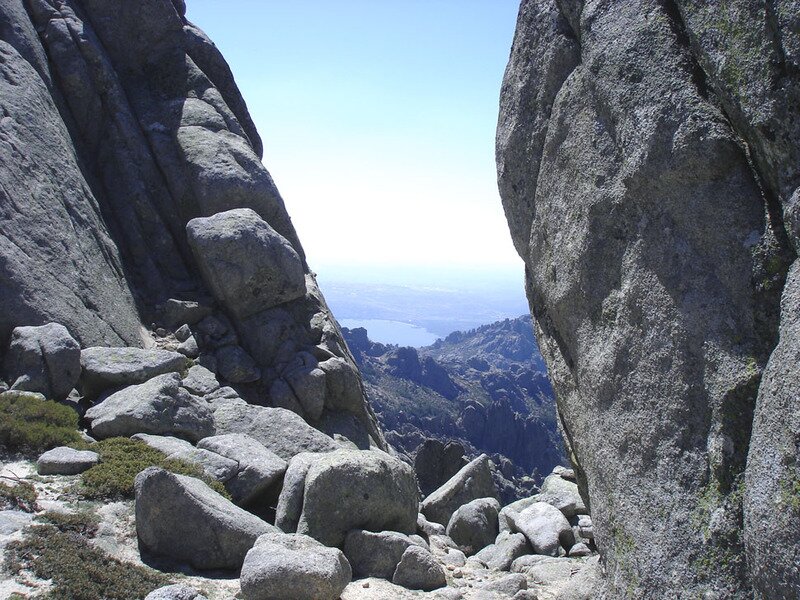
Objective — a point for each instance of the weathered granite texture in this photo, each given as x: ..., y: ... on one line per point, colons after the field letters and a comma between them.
x: 647, y: 156
x: 121, y: 122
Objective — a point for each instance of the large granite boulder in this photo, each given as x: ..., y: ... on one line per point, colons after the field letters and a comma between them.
x: 44, y: 359
x: 418, y: 570
x: 66, y: 461
x: 109, y: 368
x: 507, y: 547
x: 279, y: 430
x: 545, y: 528
x: 257, y: 469
x: 159, y: 406
x: 374, y: 554
x: 563, y: 494
x: 473, y: 481
x: 349, y: 489
x: 183, y: 520
x: 291, y: 566
x: 247, y: 264
x: 213, y: 465
x: 657, y: 322
x: 474, y: 525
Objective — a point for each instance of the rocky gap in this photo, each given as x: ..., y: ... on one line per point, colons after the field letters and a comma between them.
x: 698, y: 75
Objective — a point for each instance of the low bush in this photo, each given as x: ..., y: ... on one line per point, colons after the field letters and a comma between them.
x: 83, y: 522
x: 78, y: 570
x: 30, y: 424
x: 121, y: 459
x: 18, y: 496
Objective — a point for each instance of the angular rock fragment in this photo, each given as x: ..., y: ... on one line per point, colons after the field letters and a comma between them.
x: 426, y: 528
x: 507, y: 585
x: 579, y: 549
x: 308, y: 385
x: 343, y: 388
x: 516, y: 506
x: 159, y: 406
x: 184, y: 520
x: 200, y: 381
x: 177, y: 591
x: 189, y: 347
x: 562, y: 493
x: 473, y: 481
x: 506, y: 548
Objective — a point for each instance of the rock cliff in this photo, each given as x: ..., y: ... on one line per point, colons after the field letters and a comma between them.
x: 133, y: 199
x: 647, y: 156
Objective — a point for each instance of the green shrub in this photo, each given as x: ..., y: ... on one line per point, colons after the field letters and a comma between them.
x: 83, y: 522
x: 121, y: 459
x: 78, y: 570
x: 21, y: 496
x: 29, y: 424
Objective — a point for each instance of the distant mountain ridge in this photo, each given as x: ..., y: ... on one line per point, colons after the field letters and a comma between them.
x: 485, y: 388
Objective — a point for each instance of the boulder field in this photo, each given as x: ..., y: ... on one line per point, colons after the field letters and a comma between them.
x: 297, y: 513
x: 647, y: 159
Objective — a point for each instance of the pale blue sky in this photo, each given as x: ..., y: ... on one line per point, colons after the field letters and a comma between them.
x: 378, y: 121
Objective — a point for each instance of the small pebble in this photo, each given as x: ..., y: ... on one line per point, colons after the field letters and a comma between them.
x: 451, y: 567
x: 365, y: 584
x: 161, y: 332
x: 458, y: 573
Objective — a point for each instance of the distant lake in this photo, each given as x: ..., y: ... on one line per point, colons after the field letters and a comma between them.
x: 392, y: 332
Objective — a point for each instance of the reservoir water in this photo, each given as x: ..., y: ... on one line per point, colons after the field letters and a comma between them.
x: 392, y: 332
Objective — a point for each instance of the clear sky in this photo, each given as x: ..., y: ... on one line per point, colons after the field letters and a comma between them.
x: 378, y: 120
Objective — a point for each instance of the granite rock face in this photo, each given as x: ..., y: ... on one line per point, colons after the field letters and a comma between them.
x: 121, y: 125
x: 647, y: 157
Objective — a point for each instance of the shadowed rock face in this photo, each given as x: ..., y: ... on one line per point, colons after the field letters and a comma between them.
x: 121, y: 122
x: 647, y: 156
